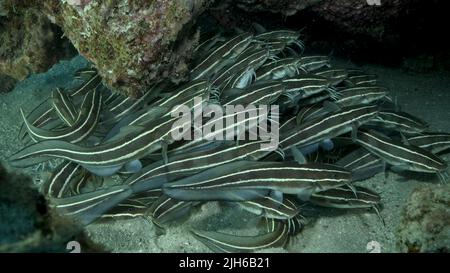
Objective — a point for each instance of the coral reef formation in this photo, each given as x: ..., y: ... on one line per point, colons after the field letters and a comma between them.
x: 132, y: 44
x: 425, y: 225
x: 30, y: 43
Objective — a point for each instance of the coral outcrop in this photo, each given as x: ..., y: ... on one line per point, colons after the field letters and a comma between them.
x: 132, y: 44
x: 30, y: 43
x: 425, y: 224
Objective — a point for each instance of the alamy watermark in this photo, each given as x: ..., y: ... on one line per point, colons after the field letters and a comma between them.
x: 229, y: 122
x: 374, y: 2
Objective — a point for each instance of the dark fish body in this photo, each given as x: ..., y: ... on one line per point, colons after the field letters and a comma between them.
x: 407, y: 157
x: 346, y: 198
x: 83, y: 126
x: 224, y: 181
x: 221, y: 242
x: 158, y: 173
x: 88, y: 207
x: 133, y: 144
x: 60, y: 182
x: 228, y: 49
x: 434, y: 142
x: 335, y: 124
x: 399, y: 121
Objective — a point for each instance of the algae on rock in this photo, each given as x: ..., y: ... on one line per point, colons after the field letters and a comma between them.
x: 425, y: 224
x: 132, y: 44
x: 29, y: 42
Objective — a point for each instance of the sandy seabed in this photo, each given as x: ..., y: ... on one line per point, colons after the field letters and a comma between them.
x: 330, y: 230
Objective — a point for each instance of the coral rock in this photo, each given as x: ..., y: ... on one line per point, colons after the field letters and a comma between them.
x: 30, y: 42
x: 425, y: 224
x: 132, y: 44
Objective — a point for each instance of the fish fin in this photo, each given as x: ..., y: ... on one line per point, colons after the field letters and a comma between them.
x: 352, y: 188
x: 298, y: 156
x: 88, y: 207
x: 377, y: 211
x: 443, y: 177
x: 404, y: 139
x: 159, y: 229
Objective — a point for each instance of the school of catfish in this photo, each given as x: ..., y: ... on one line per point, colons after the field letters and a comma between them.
x: 337, y: 127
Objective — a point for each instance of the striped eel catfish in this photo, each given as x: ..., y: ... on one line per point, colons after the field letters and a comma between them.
x: 246, y: 75
x: 125, y: 210
x: 335, y: 75
x: 39, y: 116
x: 362, y: 79
x: 434, y: 142
x: 222, y: 242
x: 345, y: 198
x: 137, y: 104
x: 361, y: 95
x: 312, y: 63
x: 133, y: 142
x: 271, y: 208
x: 87, y: 86
x: 88, y: 207
x: 147, y: 197
x: 242, y: 121
x: 296, y: 224
x: 166, y: 209
x: 136, y: 205
x: 362, y: 163
x: 129, y: 208
x: 287, y: 37
x: 64, y: 107
x: 61, y: 182
x: 158, y: 173
x: 399, y: 121
x: 278, y: 69
x: 206, y: 45
x: 401, y: 156
x: 248, y: 180
x: 244, y: 62
x: 276, y: 47
x: 260, y: 93
x: 336, y: 123
x: 215, y: 60
x: 309, y: 112
x: 85, y: 73
x: 185, y: 93
x: 305, y: 85
x: 84, y: 125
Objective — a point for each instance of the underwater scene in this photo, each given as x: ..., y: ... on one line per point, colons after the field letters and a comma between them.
x: 236, y: 126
